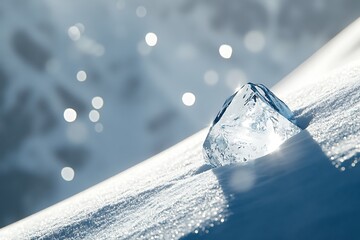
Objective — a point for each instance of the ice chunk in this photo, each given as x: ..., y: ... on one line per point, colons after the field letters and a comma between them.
x: 252, y: 123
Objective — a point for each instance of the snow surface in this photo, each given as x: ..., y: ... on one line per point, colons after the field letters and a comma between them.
x: 294, y: 193
x: 331, y: 111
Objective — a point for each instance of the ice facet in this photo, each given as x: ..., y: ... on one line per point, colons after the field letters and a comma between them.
x: 252, y: 123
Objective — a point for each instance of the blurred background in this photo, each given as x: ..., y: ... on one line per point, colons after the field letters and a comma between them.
x: 91, y: 88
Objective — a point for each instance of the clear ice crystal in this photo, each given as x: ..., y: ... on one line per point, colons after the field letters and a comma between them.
x: 252, y: 123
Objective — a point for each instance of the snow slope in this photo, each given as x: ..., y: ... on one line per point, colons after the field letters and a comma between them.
x: 294, y: 193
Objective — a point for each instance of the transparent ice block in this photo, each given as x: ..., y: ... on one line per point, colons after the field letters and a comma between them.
x: 252, y: 123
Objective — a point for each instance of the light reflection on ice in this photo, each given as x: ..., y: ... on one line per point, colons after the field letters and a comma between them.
x: 252, y: 123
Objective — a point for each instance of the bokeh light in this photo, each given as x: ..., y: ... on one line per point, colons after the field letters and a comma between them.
x: 99, y: 127
x: 151, y: 39
x: 225, y: 51
x: 254, y: 41
x: 70, y: 115
x: 74, y: 33
x: 81, y: 75
x: 141, y: 11
x: 97, y: 102
x: 211, y: 77
x: 94, y: 116
x: 188, y: 99
x: 67, y: 173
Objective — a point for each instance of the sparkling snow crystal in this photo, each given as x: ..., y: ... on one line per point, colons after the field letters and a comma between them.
x: 252, y: 123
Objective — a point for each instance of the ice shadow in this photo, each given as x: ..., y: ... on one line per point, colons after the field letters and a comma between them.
x: 294, y: 193
x: 302, y: 120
